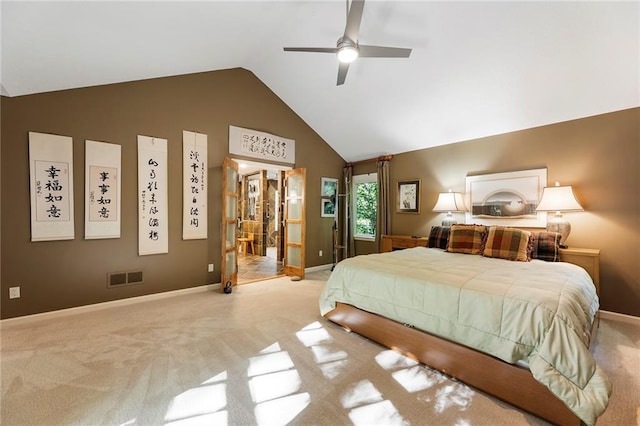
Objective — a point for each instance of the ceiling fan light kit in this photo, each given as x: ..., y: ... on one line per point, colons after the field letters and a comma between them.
x: 347, y: 51
x: 348, y: 48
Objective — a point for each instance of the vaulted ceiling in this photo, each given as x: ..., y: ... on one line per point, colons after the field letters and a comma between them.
x: 476, y: 69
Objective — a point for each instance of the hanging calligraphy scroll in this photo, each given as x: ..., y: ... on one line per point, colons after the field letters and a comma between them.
x: 153, y: 206
x: 51, y: 183
x: 194, y: 193
x: 251, y: 143
x: 102, y: 190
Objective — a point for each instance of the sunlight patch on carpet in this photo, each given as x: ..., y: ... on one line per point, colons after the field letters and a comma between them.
x: 416, y: 378
x: 380, y: 413
x: 281, y: 411
x: 390, y: 360
x: 197, y: 401
x: 323, y: 354
x: 269, y: 363
x: 332, y: 370
x: 454, y: 396
x: 363, y: 392
x: 271, y: 349
x: 274, y: 385
x: 312, y: 337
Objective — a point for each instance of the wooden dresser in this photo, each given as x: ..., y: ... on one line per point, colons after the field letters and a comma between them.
x: 589, y: 259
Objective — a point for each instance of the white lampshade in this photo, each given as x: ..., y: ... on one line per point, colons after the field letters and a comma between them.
x: 559, y: 199
x: 449, y: 202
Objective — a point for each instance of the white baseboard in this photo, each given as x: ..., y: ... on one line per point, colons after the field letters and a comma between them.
x: 318, y: 268
x: 614, y: 316
x: 124, y: 302
x: 104, y: 305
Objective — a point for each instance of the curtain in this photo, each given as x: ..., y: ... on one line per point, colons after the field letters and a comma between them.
x: 383, y: 225
x: 347, y: 232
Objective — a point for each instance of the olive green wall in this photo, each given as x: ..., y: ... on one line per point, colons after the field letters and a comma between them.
x: 599, y: 156
x: 62, y: 274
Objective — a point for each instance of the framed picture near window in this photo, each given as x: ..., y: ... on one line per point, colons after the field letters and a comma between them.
x: 408, y: 196
x: 328, y: 192
x: 328, y: 186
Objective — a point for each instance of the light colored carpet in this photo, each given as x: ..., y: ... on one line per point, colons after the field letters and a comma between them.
x: 261, y: 355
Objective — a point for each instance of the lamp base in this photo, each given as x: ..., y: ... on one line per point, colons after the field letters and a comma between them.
x: 560, y: 225
x: 449, y: 221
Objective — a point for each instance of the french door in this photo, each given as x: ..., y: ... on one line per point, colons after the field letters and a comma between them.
x: 229, y: 269
x: 294, y: 222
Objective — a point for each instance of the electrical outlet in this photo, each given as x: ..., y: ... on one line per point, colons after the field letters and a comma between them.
x: 320, y: 253
x: 14, y: 292
x: 210, y: 269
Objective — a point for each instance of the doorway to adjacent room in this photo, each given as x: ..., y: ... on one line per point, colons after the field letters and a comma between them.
x: 260, y: 221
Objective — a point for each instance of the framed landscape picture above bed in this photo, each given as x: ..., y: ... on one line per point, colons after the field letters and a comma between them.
x: 507, y: 199
x: 408, y: 196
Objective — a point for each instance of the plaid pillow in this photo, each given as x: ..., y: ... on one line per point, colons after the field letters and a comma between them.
x: 439, y: 237
x: 507, y: 243
x: 545, y: 246
x: 468, y: 239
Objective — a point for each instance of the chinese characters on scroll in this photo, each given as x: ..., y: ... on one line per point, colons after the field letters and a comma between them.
x: 51, y: 181
x: 153, y: 224
x: 194, y: 195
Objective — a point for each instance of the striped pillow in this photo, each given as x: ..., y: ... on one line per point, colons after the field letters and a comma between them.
x: 545, y: 246
x: 507, y: 243
x: 468, y: 239
x: 439, y: 237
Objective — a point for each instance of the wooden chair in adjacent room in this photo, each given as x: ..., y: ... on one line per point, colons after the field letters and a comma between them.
x: 248, y: 240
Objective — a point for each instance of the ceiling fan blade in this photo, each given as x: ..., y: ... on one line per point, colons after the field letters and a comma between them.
x: 382, y: 52
x: 352, y: 29
x: 312, y: 49
x: 342, y: 73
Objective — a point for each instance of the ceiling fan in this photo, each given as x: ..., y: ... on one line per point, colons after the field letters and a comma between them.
x: 348, y: 49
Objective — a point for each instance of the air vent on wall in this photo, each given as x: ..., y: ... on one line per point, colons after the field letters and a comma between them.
x: 117, y: 279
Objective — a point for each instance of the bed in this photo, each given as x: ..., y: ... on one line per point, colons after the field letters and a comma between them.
x: 519, y: 330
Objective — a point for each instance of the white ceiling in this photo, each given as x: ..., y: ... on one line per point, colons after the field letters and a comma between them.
x: 477, y: 68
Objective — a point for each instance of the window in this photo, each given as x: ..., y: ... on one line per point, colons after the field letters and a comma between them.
x: 365, y: 206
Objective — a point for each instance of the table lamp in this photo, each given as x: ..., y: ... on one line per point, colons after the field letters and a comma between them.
x: 559, y: 199
x: 449, y: 202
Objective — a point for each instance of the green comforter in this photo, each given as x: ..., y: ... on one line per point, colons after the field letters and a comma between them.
x: 537, y: 312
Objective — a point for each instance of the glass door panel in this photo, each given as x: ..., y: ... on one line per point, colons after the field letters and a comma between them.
x: 294, y: 220
x: 229, y: 252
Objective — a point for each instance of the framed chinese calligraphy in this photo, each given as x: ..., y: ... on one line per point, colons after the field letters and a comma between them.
x: 251, y: 143
x: 51, y: 184
x: 153, y: 217
x: 194, y: 193
x: 102, y: 190
x: 508, y: 199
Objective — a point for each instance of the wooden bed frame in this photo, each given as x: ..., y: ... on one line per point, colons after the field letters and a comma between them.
x: 511, y: 383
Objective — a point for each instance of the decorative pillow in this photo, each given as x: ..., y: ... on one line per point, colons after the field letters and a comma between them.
x: 439, y: 237
x: 468, y: 239
x: 545, y: 246
x: 507, y: 243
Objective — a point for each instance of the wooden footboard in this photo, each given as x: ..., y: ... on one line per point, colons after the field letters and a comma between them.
x: 508, y: 382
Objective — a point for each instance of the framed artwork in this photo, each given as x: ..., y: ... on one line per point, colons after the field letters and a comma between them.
x: 507, y: 199
x: 408, y: 196
x: 328, y: 191
x: 328, y: 208
x: 328, y: 186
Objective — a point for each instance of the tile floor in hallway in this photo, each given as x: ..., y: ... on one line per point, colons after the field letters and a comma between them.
x: 252, y: 267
